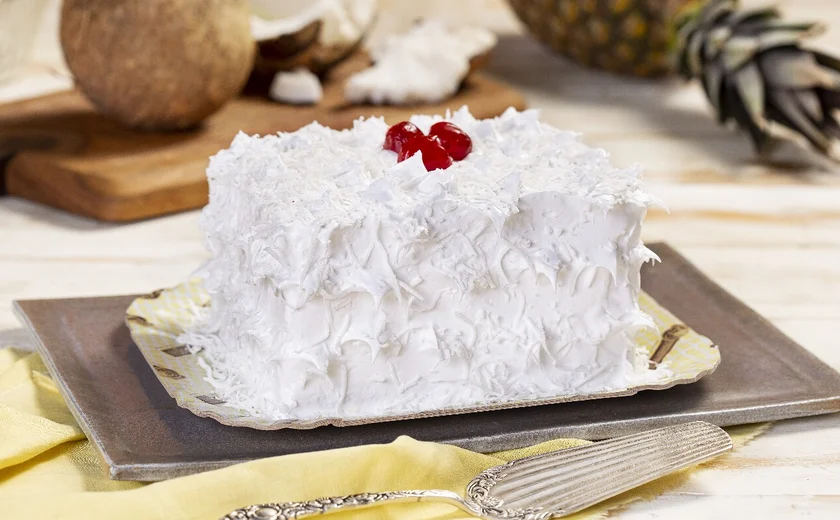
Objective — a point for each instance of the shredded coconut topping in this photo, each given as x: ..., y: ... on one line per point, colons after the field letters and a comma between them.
x: 344, y: 284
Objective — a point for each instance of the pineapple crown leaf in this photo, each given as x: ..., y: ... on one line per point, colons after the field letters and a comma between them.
x: 755, y: 71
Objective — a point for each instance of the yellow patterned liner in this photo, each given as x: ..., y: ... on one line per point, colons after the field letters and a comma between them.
x: 155, y: 321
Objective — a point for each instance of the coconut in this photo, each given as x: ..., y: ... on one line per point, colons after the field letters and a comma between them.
x: 426, y: 64
x: 315, y: 35
x: 298, y: 87
x: 158, y: 64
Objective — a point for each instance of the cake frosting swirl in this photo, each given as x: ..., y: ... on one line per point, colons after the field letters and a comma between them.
x: 345, y: 284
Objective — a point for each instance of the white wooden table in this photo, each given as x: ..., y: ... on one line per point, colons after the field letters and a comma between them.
x: 770, y: 235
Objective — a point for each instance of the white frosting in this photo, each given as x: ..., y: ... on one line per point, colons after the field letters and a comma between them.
x: 425, y: 65
x: 298, y: 87
x: 344, y: 284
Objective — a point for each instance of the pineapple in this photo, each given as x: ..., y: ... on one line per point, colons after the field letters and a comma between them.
x: 632, y: 37
x: 750, y: 62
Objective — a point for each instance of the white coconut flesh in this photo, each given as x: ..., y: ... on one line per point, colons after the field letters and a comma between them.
x: 424, y: 65
x: 343, y: 22
x: 297, y: 87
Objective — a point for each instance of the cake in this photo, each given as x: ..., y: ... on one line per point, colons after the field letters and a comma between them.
x: 345, y: 284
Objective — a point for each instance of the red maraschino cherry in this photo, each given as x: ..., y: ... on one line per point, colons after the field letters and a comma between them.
x: 399, y: 134
x: 454, y: 140
x: 444, y: 143
x: 434, y: 155
x: 411, y: 147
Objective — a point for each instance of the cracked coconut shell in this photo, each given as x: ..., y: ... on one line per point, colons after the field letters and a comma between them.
x: 311, y: 34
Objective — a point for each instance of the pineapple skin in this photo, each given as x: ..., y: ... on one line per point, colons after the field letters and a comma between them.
x: 629, y: 37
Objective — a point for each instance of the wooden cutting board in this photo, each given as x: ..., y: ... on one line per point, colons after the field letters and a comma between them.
x: 58, y: 151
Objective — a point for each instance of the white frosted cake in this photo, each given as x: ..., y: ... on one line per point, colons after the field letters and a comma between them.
x: 344, y: 283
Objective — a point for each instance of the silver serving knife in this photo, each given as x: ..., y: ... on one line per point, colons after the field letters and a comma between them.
x: 544, y: 486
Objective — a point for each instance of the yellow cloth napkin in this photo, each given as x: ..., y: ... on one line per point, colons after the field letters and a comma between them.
x: 49, y: 470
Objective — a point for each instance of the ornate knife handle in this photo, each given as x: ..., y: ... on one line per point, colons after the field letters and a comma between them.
x: 549, y: 485
x: 323, y: 506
